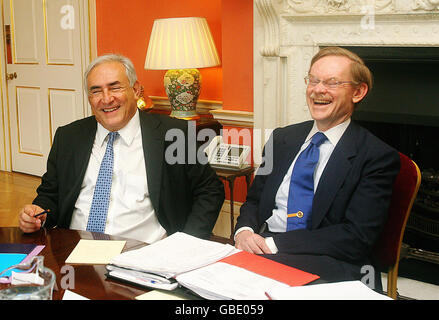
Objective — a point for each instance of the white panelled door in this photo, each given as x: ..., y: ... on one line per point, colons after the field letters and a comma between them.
x: 44, y: 71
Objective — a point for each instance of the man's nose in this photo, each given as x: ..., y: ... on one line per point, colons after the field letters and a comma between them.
x: 320, y: 87
x: 106, y: 96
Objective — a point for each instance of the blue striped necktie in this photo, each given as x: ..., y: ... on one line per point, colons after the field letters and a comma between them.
x: 301, y: 192
x: 101, y: 197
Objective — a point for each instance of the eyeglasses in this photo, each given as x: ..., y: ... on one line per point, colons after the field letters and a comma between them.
x: 99, y: 92
x: 330, y: 83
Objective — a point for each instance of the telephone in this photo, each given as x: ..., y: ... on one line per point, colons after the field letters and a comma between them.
x: 227, y: 156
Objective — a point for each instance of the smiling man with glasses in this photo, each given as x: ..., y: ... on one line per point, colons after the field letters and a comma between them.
x: 322, y: 207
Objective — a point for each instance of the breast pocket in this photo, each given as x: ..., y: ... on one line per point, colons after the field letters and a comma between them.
x: 135, y: 188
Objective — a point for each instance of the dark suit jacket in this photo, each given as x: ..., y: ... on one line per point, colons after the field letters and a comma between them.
x: 351, y: 201
x: 186, y: 197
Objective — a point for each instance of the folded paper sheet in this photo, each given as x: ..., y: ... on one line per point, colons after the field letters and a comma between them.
x: 95, y: 251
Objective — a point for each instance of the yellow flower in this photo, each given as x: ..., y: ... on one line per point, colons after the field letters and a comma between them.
x: 186, y: 79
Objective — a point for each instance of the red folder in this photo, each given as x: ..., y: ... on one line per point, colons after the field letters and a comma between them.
x: 270, y: 269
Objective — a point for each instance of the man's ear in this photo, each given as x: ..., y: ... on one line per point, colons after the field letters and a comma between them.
x: 137, y: 90
x: 360, y: 92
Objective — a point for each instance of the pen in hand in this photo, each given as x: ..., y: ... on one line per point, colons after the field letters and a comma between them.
x: 41, y: 213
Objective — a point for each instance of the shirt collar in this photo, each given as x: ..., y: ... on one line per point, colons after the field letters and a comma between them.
x: 333, y: 134
x: 127, y: 133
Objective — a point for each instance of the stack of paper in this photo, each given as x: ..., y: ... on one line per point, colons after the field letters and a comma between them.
x: 175, y: 254
x: 157, y: 264
x: 210, y: 269
x: 243, y: 276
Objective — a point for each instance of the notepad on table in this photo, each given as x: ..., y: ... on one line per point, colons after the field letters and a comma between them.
x: 95, y: 251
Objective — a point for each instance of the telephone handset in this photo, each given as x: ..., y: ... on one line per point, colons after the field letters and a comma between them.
x: 227, y: 156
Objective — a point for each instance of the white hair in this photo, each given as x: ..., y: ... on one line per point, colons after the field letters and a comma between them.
x: 126, y: 62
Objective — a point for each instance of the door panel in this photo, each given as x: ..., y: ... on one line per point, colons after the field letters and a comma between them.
x: 47, y: 90
x: 30, y: 132
x: 25, y: 28
x: 62, y: 108
x: 59, y: 33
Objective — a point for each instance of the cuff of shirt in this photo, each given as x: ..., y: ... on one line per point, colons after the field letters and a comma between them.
x: 269, y: 240
x: 242, y: 229
x: 271, y: 245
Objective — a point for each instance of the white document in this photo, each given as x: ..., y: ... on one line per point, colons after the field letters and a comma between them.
x: 173, y: 255
x: 225, y: 281
x: 346, y: 290
x: 160, y: 295
x: 70, y: 295
x: 95, y: 251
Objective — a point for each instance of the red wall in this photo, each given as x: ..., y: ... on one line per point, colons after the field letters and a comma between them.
x: 237, y: 41
x: 125, y: 26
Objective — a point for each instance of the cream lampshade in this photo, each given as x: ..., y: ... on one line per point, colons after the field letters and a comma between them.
x: 180, y: 45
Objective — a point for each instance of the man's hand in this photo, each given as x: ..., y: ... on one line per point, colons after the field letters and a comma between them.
x: 251, y: 242
x: 27, y: 222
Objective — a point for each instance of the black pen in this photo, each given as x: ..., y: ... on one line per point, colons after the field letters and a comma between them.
x: 41, y: 213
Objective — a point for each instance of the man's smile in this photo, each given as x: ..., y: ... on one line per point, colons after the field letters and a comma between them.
x: 321, y: 102
x: 110, y: 109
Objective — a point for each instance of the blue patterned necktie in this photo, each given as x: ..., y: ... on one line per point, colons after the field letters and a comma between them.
x: 101, y: 197
x: 301, y: 191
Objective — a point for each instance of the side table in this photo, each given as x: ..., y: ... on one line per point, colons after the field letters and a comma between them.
x: 230, y: 175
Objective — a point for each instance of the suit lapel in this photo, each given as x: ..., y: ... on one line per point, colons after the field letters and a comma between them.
x: 288, y: 148
x: 334, y: 174
x: 86, y: 137
x: 153, y: 144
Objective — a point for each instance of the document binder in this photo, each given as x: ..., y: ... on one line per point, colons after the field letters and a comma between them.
x: 209, y: 269
x: 270, y: 269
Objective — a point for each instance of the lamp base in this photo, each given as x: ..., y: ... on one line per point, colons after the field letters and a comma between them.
x: 185, y: 115
x: 183, y: 88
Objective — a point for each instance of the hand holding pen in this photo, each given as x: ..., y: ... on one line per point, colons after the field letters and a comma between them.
x: 31, y: 218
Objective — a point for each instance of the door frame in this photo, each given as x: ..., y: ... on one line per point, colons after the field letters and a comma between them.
x: 89, y: 52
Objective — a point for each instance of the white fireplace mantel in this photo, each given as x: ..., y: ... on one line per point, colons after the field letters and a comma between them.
x: 287, y: 33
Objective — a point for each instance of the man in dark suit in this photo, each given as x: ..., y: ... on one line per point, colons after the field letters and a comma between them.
x: 352, y: 180
x: 151, y: 196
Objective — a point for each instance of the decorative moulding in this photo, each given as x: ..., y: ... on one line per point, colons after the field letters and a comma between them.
x: 356, y: 7
x: 270, y: 21
x: 233, y: 118
x: 210, y: 107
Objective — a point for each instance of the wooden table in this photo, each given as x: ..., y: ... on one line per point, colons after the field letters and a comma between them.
x: 90, y: 280
x: 230, y: 175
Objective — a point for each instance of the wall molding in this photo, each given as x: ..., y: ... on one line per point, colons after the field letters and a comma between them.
x: 213, y: 108
x: 234, y: 118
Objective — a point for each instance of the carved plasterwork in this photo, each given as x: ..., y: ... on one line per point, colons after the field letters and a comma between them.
x: 427, y: 5
x: 337, y: 6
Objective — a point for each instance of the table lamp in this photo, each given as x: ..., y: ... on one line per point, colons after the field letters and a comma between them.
x: 180, y: 45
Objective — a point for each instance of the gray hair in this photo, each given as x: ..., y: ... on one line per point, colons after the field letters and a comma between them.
x: 126, y: 62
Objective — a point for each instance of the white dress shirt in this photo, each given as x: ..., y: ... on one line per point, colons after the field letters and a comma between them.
x: 278, y: 221
x: 130, y: 212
